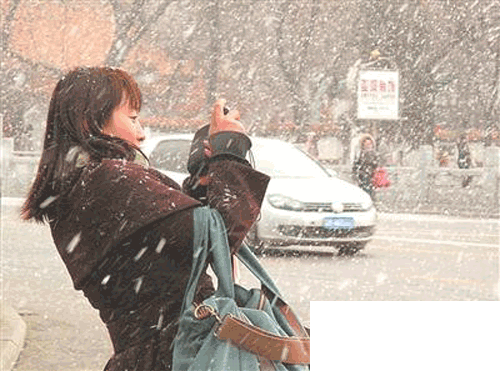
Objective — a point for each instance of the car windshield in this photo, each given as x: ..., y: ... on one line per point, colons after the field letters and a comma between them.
x: 171, y: 155
x: 274, y: 158
x: 283, y: 160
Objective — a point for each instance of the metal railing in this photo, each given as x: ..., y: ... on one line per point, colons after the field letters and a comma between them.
x: 413, y: 190
x: 447, y: 191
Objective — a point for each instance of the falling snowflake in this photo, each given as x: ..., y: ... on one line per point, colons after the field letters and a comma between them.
x: 140, y: 253
x: 123, y: 224
x: 105, y: 280
x: 160, y: 321
x: 73, y: 243
x: 71, y: 154
x: 138, y: 284
x: 344, y: 284
x: 381, y: 277
x: 161, y: 244
x: 48, y: 201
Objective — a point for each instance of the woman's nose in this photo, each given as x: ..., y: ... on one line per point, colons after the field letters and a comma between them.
x: 140, y: 132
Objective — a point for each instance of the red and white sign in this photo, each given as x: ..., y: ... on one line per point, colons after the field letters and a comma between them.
x: 378, y: 95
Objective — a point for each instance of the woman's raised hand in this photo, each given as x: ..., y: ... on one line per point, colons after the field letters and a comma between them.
x: 224, y: 122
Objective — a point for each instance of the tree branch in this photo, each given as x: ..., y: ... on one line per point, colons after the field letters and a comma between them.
x: 133, y: 15
x: 5, y: 37
x: 152, y: 20
x: 117, y: 54
x: 279, y: 47
x: 307, y: 41
x: 495, y: 99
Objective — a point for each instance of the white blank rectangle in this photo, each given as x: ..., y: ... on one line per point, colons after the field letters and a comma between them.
x: 405, y: 336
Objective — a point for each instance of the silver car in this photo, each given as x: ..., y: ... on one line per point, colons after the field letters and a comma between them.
x: 305, y: 204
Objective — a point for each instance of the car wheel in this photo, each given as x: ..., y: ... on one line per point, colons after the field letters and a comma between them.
x: 351, y: 249
x: 253, y: 241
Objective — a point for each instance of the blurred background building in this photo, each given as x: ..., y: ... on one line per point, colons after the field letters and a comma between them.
x: 287, y: 66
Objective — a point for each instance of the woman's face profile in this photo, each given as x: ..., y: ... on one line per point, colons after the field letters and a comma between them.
x: 124, y: 124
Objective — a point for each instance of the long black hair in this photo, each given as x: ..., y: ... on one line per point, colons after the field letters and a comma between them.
x: 81, y: 104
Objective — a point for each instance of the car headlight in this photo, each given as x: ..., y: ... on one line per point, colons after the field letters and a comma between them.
x: 366, y: 205
x: 286, y: 203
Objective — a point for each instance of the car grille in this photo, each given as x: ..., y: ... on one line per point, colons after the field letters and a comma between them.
x: 327, y: 207
x: 320, y: 232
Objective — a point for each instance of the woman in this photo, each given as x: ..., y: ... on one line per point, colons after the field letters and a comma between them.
x: 123, y: 229
x: 365, y: 164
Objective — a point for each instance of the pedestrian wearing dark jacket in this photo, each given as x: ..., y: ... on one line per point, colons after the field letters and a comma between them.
x: 365, y: 164
x: 123, y: 229
x: 464, y: 160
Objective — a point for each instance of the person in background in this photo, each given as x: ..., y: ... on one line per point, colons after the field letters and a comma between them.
x: 123, y: 229
x: 464, y: 160
x: 311, y: 144
x: 444, y: 159
x: 365, y: 164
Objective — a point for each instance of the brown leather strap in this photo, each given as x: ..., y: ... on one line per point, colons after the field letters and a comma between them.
x: 287, y: 312
x: 292, y: 350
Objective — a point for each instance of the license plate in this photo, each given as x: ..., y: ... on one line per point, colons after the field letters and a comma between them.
x: 338, y: 223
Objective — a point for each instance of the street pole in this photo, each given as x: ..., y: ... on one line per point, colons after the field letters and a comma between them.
x: 376, y: 83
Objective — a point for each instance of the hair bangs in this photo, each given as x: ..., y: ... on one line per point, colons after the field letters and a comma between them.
x: 128, y: 87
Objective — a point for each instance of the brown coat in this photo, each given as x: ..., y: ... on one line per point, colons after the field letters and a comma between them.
x: 126, y: 240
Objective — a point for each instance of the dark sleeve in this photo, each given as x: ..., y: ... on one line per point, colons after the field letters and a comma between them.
x: 236, y: 191
x: 158, y: 257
